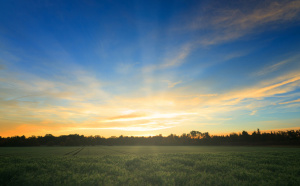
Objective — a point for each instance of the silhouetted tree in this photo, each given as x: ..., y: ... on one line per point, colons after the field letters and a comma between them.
x: 291, y: 137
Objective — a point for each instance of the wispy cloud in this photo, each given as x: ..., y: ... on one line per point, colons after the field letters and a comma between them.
x: 173, y: 84
x: 271, y: 68
x: 127, y: 117
x: 148, y: 117
x: 177, y: 59
x: 288, y: 102
x: 277, y: 66
x: 253, y: 112
x: 133, y: 128
x: 280, y: 85
x: 228, y: 23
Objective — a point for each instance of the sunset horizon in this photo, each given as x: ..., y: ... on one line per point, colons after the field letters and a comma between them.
x: 148, y: 68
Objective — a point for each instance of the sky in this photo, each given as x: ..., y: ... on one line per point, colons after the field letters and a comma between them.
x: 141, y: 68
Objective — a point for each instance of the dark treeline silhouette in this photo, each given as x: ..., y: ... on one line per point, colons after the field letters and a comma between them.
x: 290, y: 137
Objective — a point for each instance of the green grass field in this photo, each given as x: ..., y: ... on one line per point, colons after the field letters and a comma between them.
x: 149, y: 165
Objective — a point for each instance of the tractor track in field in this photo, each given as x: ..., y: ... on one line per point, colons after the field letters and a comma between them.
x: 74, y: 152
x: 71, y: 152
x: 78, y: 151
x: 122, y: 152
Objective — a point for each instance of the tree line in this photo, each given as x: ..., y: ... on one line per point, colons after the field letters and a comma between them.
x: 290, y: 137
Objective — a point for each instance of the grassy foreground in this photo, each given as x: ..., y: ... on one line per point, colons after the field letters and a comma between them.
x: 149, y: 166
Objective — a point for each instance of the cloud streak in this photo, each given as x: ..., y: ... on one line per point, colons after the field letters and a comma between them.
x: 227, y: 24
x: 172, y: 61
x: 149, y: 117
x: 288, y: 102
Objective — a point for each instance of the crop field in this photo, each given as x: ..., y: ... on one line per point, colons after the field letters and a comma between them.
x: 149, y: 165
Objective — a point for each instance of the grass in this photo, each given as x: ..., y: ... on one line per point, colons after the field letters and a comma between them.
x: 149, y: 165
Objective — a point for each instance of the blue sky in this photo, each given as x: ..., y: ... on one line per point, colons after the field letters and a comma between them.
x: 148, y: 67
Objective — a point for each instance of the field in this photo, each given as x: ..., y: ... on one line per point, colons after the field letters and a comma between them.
x: 149, y: 165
